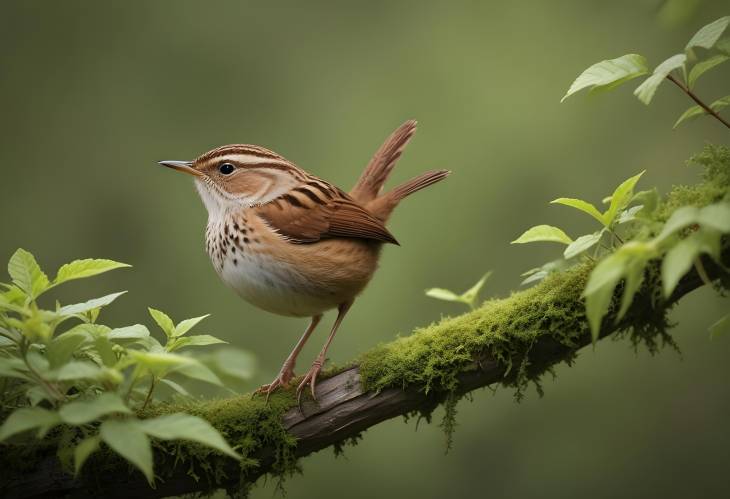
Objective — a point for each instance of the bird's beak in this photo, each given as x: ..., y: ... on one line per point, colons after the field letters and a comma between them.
x: 182, y: 166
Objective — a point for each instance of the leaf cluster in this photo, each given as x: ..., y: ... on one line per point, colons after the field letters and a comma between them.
x: 63, y: 372
x: 705, y: 51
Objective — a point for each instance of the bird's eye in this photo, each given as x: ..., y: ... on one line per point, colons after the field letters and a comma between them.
x: 226, y: 168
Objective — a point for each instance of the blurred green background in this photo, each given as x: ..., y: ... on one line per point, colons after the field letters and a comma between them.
x: 94, y: 93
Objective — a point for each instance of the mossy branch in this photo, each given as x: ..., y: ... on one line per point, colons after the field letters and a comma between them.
x: 512, y: 341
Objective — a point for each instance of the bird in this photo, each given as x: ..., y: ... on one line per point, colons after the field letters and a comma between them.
x: 293, y: 244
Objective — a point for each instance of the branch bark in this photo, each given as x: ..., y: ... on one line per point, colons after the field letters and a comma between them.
x: 343, y: 410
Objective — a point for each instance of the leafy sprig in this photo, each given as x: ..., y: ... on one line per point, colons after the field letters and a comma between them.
x: 88, y: 381
x: 469, y: 297
x: 704, y: 52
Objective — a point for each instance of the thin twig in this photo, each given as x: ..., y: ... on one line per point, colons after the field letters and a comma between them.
x: 694, y: 97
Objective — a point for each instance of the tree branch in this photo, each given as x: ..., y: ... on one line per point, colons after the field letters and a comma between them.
x: 699, y: 101
x: 342, y: 411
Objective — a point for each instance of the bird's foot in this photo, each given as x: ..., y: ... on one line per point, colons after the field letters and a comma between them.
x: 285, y: 376
x: 309, y: 379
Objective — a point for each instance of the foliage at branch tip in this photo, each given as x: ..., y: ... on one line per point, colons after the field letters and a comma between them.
x: 705, y: 51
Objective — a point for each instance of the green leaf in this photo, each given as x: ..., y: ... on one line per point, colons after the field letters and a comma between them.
x: 178, y: 388
x: 539, y: 273
x: 715, y: 216
x: 645, y: 92
x: 696, y: 111
x: 234, y: 362
x: 708, y: 35
x: 62, y: 347
x: 620, y: 199
x: 194, y: 341
x: 609, y: 73
x: 83, y: 450
x: 89, y: 267
x: 471, y: 295
x: 649, y: 201
x: 82, y: 412
x: 720, y: 327
x: 677, y: 262
x: 634, y: 276
x: 443, y: 294
x: 27, y: 274
x: 127, y: 439
x: 28, y: 418
x: 581, y: 205
x: 80, y: 308
x: 629, y: 214
x: 160, y: 364
x: 701, y: 67
x: 723, y: 45
x: 582, y: 244
x: 164, y: 321
x: 546, y: 233
x: 599, y: 290
x: 134, y: 332
x: 186, y: 325
x: 682, y: 217
x: 181, y: 426
x: 78, y: 369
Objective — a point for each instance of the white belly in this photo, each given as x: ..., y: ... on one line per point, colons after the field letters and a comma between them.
x: 274, y: 286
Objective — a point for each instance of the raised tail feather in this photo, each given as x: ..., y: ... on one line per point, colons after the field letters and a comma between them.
x: 376, y: 172
x: 368, y: 187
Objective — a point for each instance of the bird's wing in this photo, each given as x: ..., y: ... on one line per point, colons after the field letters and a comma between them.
x: 316, y: 210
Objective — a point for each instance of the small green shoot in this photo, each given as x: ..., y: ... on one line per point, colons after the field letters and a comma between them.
x: 469, y: 297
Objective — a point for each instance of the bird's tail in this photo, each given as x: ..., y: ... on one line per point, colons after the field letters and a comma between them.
x: 368, y: 188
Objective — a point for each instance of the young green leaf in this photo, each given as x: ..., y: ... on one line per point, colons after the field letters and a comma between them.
x: 164, y: 321
x: 443, y: 294
x: 582, y: 244
x: 61, y: 348
x: 542, y: 233
x: 620, y: 199
x: 721, y: 327
x: 695, y: 111
x: 127, y: 439
x: 708, y: 35
x: 135, y: 332
x: 715, y: 216
x: 599, y: 289
x: 80, y: 308
x: 581, y: 205
x: 78, y: 369
x: 645, y: 92
x: 471, y: 295
x: 175, y: 386
x: 193, y: 341
x: 607, y: 73
x: 82, y: 412
x: 701, y: 67
x: 27, y: 274
x: 181, y: 426
x: 89, y: 267
x: 629, y: 214
x: 682, y: 217
x: 677, y: 262
x: 28, y: 418
x: 83, y: 450
x: 184, y: 326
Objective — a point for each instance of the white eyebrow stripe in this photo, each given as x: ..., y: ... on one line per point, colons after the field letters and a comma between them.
x: 247, y: 159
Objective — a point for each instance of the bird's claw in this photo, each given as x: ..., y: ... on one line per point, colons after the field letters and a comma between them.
x: 283, y: 379
x: 309, y: 379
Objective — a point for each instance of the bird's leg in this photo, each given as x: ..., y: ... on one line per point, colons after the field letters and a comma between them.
x: 287, y: 370
x: 311, y: 376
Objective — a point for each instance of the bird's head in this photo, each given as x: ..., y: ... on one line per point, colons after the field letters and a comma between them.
x: 239, y: 175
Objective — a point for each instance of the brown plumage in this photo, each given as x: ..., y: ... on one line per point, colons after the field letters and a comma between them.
x: 294, y: 244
